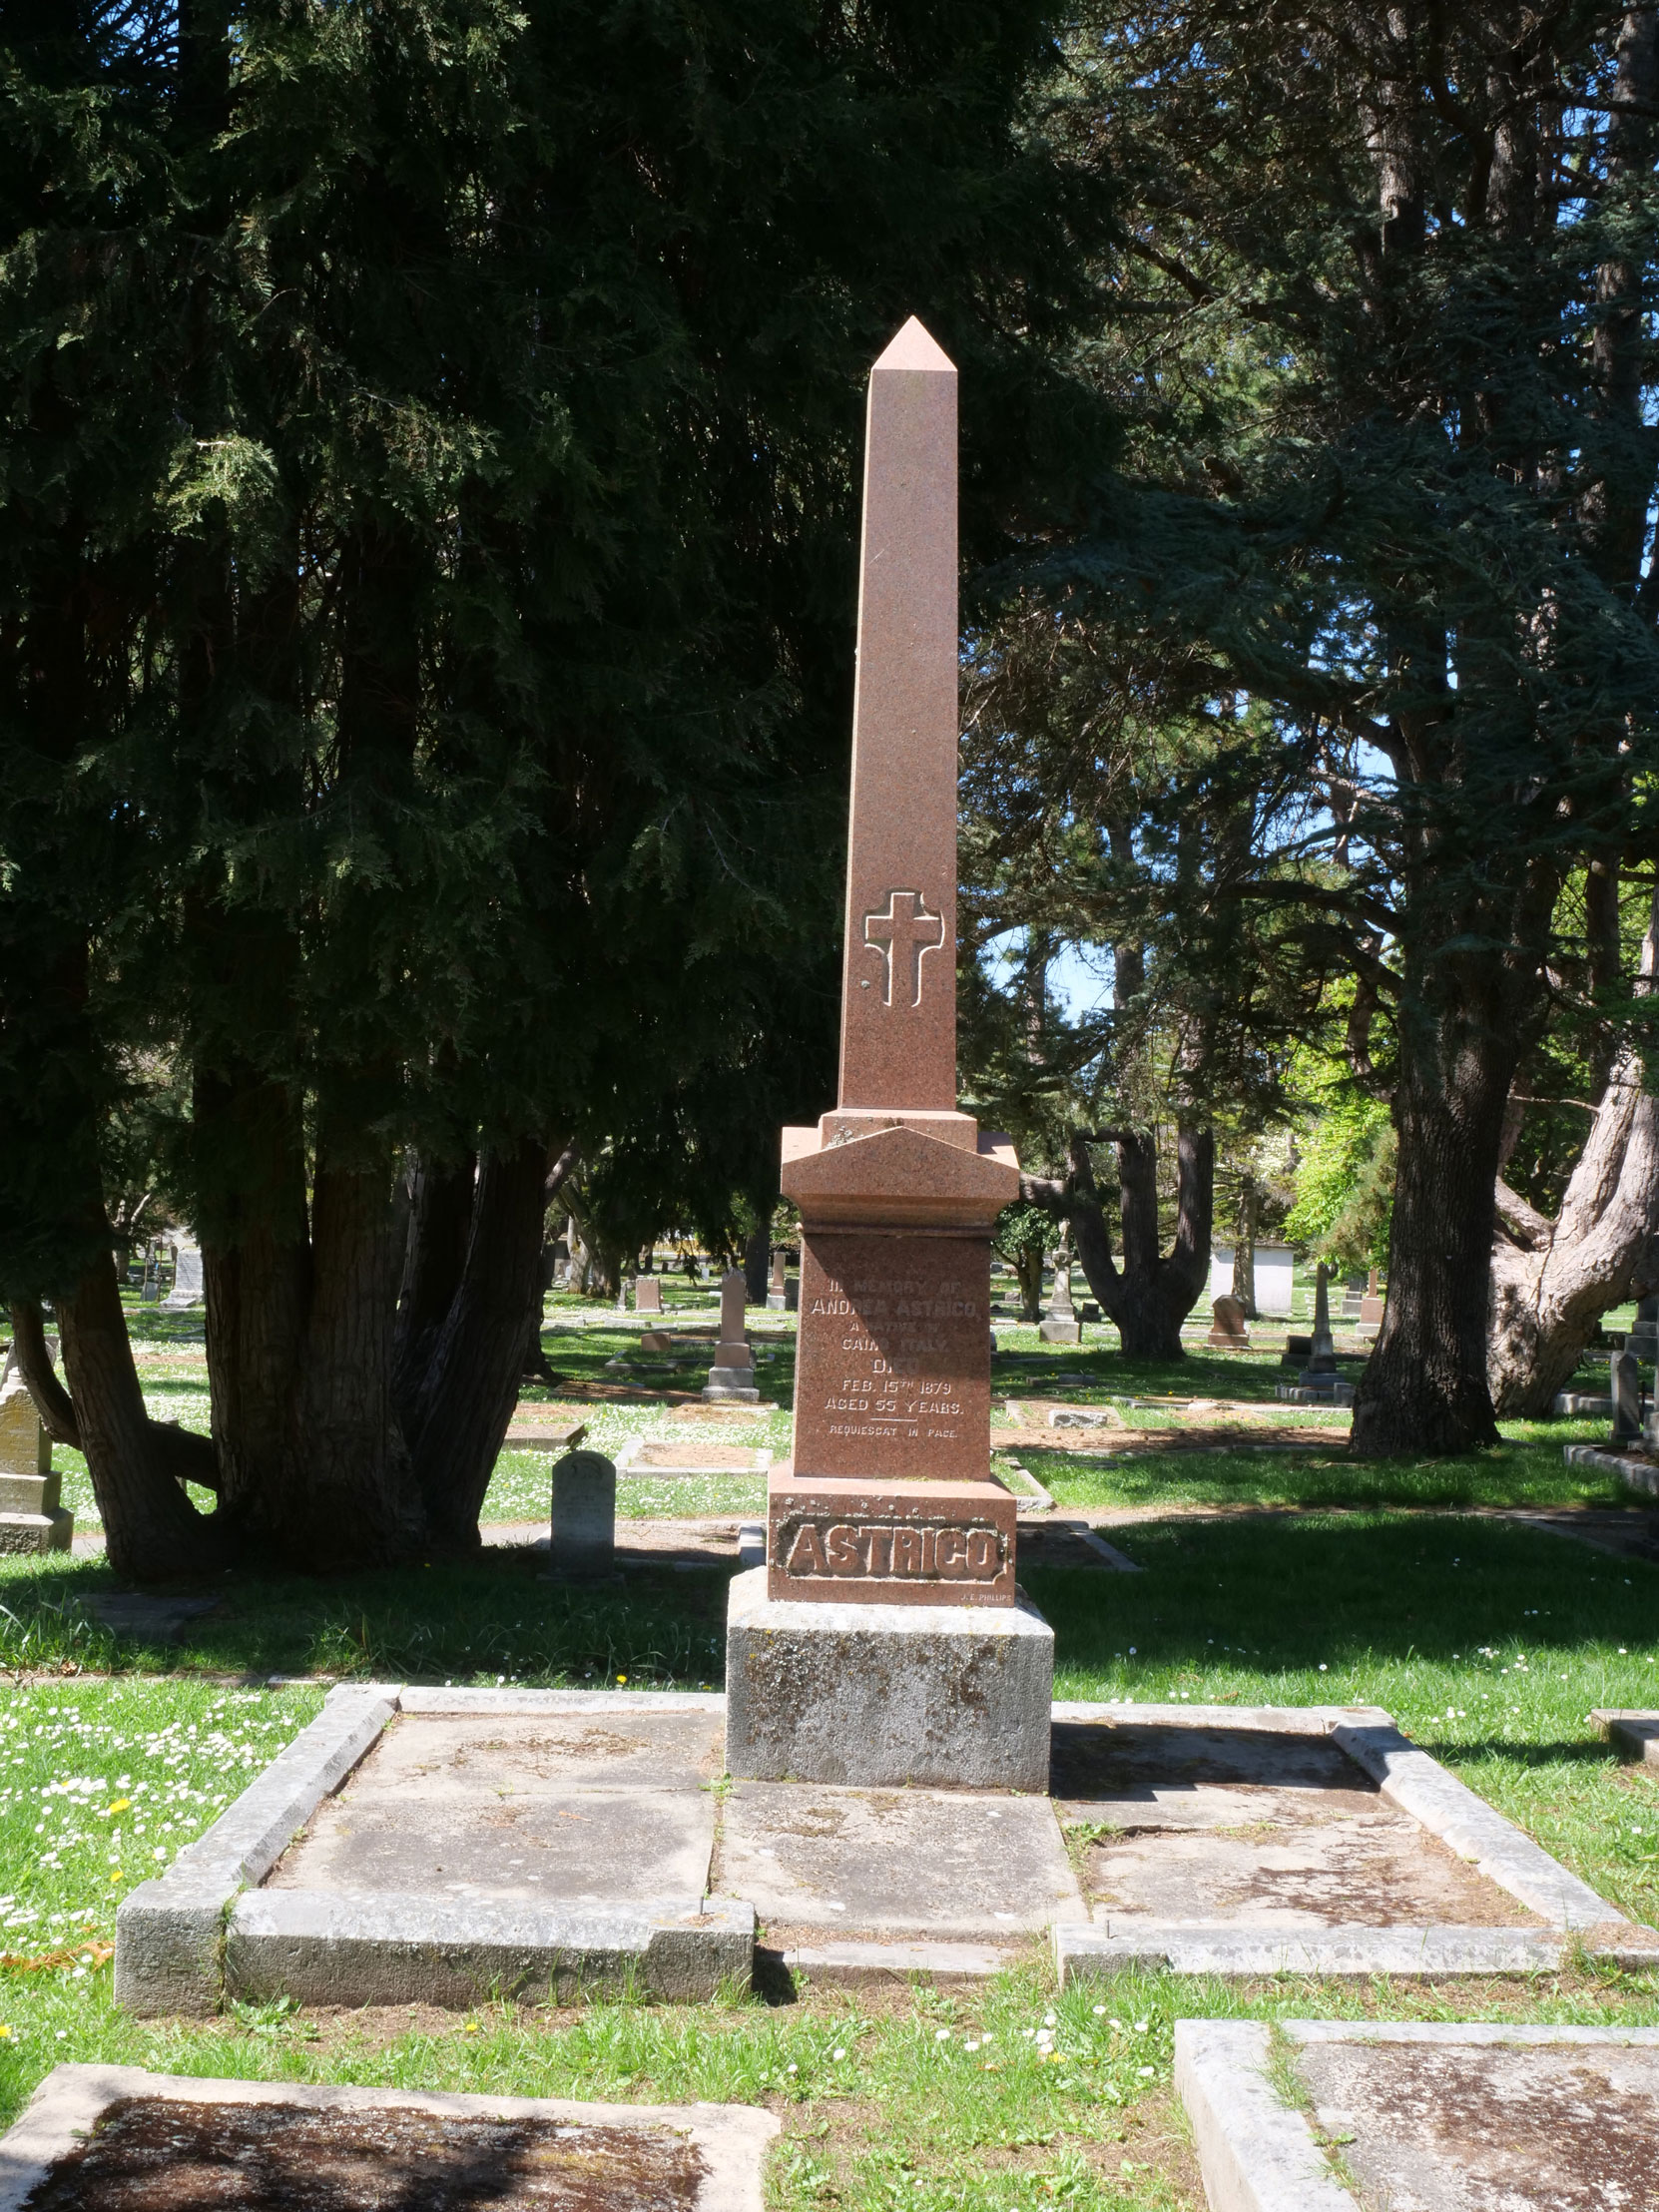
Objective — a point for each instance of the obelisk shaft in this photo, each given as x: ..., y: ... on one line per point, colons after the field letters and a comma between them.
x: 899, y: 1000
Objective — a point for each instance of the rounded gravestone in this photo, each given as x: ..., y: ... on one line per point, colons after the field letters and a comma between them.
x: 584, y: 1513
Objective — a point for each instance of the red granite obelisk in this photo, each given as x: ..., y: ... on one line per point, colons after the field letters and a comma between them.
x: 889, y: 1495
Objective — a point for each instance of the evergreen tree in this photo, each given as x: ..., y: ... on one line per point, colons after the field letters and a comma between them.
x: 465, y: 399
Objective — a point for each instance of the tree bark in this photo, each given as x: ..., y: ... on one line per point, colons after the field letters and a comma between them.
x: 1244, y: 1250
x: 757, y: 1261
x: 34, y: 1362
x: 467, y: 1394
x: 1553, y: 1280
x: 1423, y: 1388
x: 1149, y: 1297
x: 152, y: 1531
x: 440, y: 1221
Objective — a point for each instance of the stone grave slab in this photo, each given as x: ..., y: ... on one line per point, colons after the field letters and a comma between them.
x: 118, y: 2139
x: 1464, y: 2116
x: 1316, y: 1841
x: 542, y: 1428
x: 447, y: 1870
x: 670, y: 1457
x: 917, y: 1863
x: 573, y: 1811
x: 1242, y: 1830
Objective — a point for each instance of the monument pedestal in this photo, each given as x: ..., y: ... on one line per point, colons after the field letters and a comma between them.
x: 876, y: 1695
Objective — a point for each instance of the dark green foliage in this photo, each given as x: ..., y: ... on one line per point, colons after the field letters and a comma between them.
x: 425, y: 620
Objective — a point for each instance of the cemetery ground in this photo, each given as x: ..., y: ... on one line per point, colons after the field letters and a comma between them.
x: 1271, y: 1573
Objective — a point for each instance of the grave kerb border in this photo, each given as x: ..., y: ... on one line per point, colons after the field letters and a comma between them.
x: 1632, y: 1730
x: 175, y: 1934
x: 1258, y: 2154
x: 733, y: 2139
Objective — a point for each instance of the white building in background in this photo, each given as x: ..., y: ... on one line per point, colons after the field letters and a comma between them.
x: 1272, y: 1275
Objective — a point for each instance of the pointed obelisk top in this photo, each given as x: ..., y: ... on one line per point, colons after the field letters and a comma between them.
x: 898, y: 988
x: 915, y: 347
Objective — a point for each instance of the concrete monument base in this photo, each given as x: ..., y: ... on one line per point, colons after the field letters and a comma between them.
x: 952, y: 1697
x: 53, y: 1531
x: 738, y: 1382
x: 31, y: 1519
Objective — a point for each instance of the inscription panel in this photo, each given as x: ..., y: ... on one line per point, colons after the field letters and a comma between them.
x: 917, y: 1542
x: 892, y: 1367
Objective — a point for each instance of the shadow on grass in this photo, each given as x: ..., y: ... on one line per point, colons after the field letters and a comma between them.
x: 1275, y: 1594
x: 1514, y: 1474
x: 467, y: 1622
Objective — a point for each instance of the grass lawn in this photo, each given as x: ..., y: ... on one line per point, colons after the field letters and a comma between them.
x: 1489, y: 1641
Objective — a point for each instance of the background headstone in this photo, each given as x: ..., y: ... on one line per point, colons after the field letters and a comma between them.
x: 1060, y: 1326
x: 1322, y: 1360
x: 648, y: 1294
x: 732, y: 1373
x: 187, y: 1281
x: 777, y: 1293
x: 584, y: 1514
x: 1227, y: 1325
x: 31, y: 1519
x: 1626, y: 1374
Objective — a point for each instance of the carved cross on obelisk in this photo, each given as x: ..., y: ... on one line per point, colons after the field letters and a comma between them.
x: 899, y: 997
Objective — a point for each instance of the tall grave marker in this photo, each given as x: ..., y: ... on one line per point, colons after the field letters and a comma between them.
x: 890, y: 1493
x: 889, y: 1507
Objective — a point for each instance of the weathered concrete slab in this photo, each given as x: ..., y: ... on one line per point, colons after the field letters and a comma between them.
x: 577, y: 1808
x: 98, y: 2137
x: 1634, y: 1735
x: 1436, y: 2117
x: 1254, y: 2153
x: 1639, y: 1473
x: 927, y: 1863
x: 568, y: 1847
x: 1252, y: 1829
x: 1083, y: 1952
x: 1443, y: 2115
x: 495, y: 1750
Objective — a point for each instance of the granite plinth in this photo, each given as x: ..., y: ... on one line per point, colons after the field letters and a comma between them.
x: 913, y: 1544
x: 885, y: 1695
x: 893, y: 1367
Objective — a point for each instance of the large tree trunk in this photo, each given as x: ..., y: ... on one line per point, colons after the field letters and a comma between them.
x: 1423, y: 1388
x: 1151, y: 1295
x: 1553, y: 1280
x: 152, y: 1531
x: 1244, y: 1250
x: 440, y: 1221
x: 470, y: 1388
